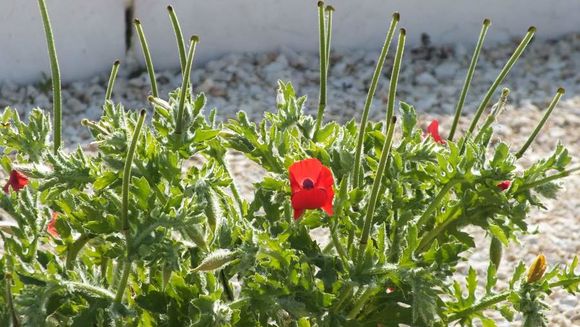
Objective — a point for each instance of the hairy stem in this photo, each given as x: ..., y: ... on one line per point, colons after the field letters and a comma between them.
x: 329, y: 10
x: 370, y: 210
x: 56, y: 82
x: 178, y: 37
x: 362, y: 300
x: 502, y: 75
x: 469, y: 77
x: 323, y: 69
x: 542, y: 122
x: 436, y: 202
x: 434, y: 233
x: 395, y: 76
x: 74, y: 249
x: 226, y: 286
x: 112, y: 78
x: 147, y: 55
x: 185, y: 86
x: 123, y: 282
x: 127, y: 174
x: 369, y: 99
x: 498, y: 108
x: 493, y: 300
x: 337, y: 244
x: 548, y: 179
x: 10, y: 300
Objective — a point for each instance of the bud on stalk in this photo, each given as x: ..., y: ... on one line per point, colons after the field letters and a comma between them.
x: 537, y: 269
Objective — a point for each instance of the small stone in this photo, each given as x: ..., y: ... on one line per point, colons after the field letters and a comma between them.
x: 426, y: 79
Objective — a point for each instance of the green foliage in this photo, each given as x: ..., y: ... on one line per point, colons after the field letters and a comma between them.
x: 189, y: 244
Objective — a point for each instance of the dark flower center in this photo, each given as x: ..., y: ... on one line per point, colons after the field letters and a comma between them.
x: 308, y: 184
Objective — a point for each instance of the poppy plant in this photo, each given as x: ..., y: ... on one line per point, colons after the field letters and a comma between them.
x: 433, y: 131
x: 312, y: 186
x: 504, y: 185
x: 16, y: 180
x: 51, y: 228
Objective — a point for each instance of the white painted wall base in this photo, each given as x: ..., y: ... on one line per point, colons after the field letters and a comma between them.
x: 90, y: 34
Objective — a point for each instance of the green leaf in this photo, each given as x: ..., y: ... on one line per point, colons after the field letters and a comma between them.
x: 105, y: 180
x: 153, y: 301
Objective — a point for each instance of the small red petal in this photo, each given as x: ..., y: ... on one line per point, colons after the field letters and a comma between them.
x: 504, y: 185
x: 16, y: 180
x: 51, y: 228
x: 390, y: 290
x: 433, y: 131
x: 319, y: 195
x: 304, y: 169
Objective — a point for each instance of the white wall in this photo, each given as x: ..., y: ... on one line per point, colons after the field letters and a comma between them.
x: 89, y: 37
x: 91, y: 33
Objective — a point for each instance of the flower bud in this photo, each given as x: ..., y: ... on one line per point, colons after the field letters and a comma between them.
x: 537, y: 269
x: 495, y: 251
x: 216, y: 260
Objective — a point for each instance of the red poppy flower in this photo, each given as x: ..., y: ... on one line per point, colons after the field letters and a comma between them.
x: 51, y: 228
x: 16, y: 180
x: 504, y: 185
x: 433, y: 131
x: 312, y: 186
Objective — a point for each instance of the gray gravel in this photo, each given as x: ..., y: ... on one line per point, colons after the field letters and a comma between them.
x: 430, y: 79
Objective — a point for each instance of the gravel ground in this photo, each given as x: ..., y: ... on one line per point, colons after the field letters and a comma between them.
x: 430, y: 79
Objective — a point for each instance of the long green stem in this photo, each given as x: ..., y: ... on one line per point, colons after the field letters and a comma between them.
x: 9, y: 299
x: 185, y: 85
x: 336, y: 242
x: 370, y: 210
x: 323, y: 70
x: 123, y: 282
x: 233, y: 187
x: 125, y: 205
x: 56, y: 82
x: 346, y: 294
x: 329, y: 10
x: 435, y: 203
x: 226, y: 286
x: 112, y: 78
x: 390, y: 122
x: 502, y: 74
x: 74, y: 249
x: 493, y: 300
x: 363, y: 299
x: 93, y: 289
x: 469, y: 77
x: 178, y: 37
x: 127, y: 174
x: 497, y: 109
x: 370, y: 96
x: 147, y: 55
x: 548, y: 179
x: 395, y: 75
x: 542, y: 122
x: 432, y: 234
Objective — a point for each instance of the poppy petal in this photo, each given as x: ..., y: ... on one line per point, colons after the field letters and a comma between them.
x: 325, y: 178
x: 309, y: 199
x: 504, y: 185
x: 51, y: 228
x: 16, y: 180
x: 328, y: 208
x: 298, y: 213
x: 433, y: 130
x: 308, y: 168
